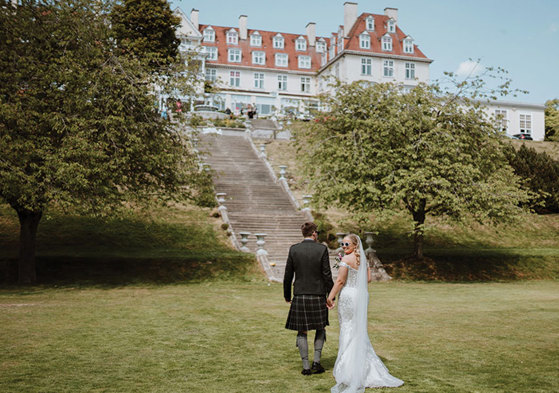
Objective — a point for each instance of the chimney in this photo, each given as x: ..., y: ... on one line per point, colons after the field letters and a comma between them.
x: 311, y: 33
x: 350, y: 16
x: 391, y: 13
x: 194, y: 18
x: 243, y: 27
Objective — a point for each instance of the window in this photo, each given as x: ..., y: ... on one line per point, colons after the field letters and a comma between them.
x: 391, y: 26
x: 235, y: 78
x: 278, y: 42
x: 408, y: 45
x: 258, y: 58
x: 370, y: 21
x: 301, y: 44
x: 525, y: 124
x: 258, y: 80
x: 304, y: 61
x: 320, y: 46
x: 410, y: 71
x: 211, y: 74
x: 387, y: 43
x: 234, y: 55
x: 209, y: 34
x: 282, y: 82
x: 323, y: 59
x: 366, y: 66
x: 389, y: 68
x: 212, y: 52
x: 255, y: 39
x: 305, y: 84
x: 501, y: 117
x: 232, y: 37
x: 364, y: 41
x: 281, y: 59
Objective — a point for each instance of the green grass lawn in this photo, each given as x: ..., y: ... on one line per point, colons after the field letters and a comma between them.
x: 229, y: 337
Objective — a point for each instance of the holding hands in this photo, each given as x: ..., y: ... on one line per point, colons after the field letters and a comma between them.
x: 330, y: 303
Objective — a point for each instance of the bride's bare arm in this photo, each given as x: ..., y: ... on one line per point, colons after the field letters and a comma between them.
x: 338, y: 285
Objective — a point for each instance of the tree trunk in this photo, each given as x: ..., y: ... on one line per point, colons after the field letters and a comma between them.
x: 29, y: 222
x: 419, y: 218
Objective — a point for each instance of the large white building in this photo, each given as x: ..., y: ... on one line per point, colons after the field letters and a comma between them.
x: 277, y: 71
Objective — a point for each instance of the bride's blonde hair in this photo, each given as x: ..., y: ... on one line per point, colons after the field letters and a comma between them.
x: 355, y: 240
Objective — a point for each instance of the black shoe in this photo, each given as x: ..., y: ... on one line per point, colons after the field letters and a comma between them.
x: 306, y: 371
x: 317, y: 368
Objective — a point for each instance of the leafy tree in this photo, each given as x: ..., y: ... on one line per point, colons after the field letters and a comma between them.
x: 429, y: 153
x: 540, y: 173
x: 78, y: 124
x: 552, y: 120
x: 146, y: 30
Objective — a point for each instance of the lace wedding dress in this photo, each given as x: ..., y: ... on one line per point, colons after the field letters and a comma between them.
x: 357, y: 366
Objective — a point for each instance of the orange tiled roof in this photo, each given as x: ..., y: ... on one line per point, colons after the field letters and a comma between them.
x: 266, y: 47
x: 351, y: 43
x: 381, y: 28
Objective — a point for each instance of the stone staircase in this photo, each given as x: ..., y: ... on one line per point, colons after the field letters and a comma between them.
x: 255, y: 202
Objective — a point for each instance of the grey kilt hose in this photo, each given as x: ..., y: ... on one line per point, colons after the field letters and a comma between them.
x: 307, y: 312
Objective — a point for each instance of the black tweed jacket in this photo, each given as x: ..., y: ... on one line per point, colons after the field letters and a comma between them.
x: 310, y: 264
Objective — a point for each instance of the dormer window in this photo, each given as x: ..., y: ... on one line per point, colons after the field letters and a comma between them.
x: 321, y: 46
x: 209, y: 34
x: 278, y: 41
x: 234, y: 55
x: 370, y: 22
x: 365, y: 40
x: 232, y: 37
x: 408, y: 45
x: 281, y: 59
x: 304, y: 62
x: 391, y: 26
x: 255, y: 39
x: 258, y: 57
x: 387, y: 43
x: 301, y: 44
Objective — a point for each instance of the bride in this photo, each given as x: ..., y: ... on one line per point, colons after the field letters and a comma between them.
x: 357, y: 366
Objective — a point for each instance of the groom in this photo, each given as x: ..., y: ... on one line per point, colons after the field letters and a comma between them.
x: 310, y: 264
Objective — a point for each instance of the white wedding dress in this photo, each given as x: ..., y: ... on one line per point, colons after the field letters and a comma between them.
x: 357, y: 366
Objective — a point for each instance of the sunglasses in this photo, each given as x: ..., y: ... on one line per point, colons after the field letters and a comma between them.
x: 346, y: 244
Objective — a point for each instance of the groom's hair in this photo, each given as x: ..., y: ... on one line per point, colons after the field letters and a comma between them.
x: 308, y: 229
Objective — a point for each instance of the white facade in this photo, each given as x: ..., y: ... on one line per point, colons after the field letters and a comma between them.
x: 518, y: 118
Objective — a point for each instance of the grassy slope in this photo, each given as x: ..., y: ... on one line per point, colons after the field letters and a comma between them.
x: 532, y: 243
x: 174, y: 244
x: 229, y: 337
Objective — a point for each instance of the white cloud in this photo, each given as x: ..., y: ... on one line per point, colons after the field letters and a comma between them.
x: 469, y: 68
x: 553, y: 28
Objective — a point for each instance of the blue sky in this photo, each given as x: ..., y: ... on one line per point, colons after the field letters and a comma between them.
x: 521, y: 36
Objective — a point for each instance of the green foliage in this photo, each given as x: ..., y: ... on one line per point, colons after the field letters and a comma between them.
x: 540, y: 173
x: 228, y: 123
x: 78, y: 123
x: 146, y: 29
x: 427, y: 152
x: 325, y: 229
x: 552, y: 120
x: 78, y: 128
x: 196, y: 121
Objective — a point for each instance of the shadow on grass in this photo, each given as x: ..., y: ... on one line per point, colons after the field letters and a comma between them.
x: 110, y: 272
x: 467, y: 265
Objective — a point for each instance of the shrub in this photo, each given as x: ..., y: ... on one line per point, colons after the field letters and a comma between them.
x: 541, y: 175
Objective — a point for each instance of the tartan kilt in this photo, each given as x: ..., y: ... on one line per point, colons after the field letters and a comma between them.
x: 307, y: 312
